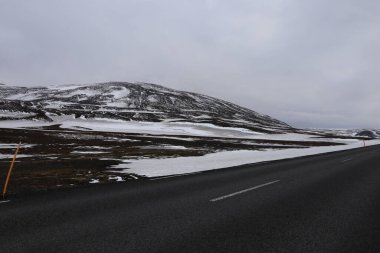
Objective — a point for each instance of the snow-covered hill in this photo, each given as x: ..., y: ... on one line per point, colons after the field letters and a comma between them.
x: 129, y: 102
x: 347, y: 133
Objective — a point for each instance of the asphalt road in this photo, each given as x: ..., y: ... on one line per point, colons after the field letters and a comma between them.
x: 325, y: 203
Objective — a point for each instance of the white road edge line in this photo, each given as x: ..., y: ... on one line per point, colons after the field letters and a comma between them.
x: 243, y: 191
x: 4, y: 201
x: 178, y: 175
x: 349, y: 159
x: 159, y: 178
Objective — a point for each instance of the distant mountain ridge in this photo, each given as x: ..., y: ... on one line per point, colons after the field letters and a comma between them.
x: 130, y: 102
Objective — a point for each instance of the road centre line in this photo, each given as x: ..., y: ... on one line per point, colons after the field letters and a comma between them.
x: 4, y: 201
x: 242, y: 191
x: 346, y: 160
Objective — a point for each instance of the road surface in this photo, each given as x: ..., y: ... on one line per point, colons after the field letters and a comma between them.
x: 323, y: 203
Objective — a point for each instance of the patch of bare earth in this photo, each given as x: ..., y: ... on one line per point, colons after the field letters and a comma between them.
x: 53, y: 158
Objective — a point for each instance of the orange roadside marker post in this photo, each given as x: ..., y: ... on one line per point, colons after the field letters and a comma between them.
x: 10, y: 170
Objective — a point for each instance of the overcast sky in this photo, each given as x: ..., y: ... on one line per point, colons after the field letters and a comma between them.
x: 308, y: 63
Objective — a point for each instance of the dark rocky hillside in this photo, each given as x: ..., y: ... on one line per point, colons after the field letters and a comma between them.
x: 130, y: 102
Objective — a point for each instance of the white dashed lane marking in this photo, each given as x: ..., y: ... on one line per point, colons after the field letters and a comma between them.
x: 242, y: 191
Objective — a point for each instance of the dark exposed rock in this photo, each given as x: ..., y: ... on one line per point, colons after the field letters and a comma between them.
x: 366, y: 133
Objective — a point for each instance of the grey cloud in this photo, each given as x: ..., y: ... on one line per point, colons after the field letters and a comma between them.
x: 309, y: 63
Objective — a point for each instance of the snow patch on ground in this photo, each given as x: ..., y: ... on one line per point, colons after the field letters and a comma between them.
x: 158, y: 128
x: 169, y: 128
x: 185, y: 165
x: 88, y: 152
x: 23, y: 97
x: 66, y: 87
x: 117, y: 178
x: 58, y: 105
x: 6, y: 113
x: 120, y: 92
x: 164, y: 147
x: 10, y: 156
x: 163, y: 128
x: 14, y: 145
x: 88, y: 92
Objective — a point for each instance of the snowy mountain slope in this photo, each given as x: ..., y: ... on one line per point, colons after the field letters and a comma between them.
x: 130, y: 102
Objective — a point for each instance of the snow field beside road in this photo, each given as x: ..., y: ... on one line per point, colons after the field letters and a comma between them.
x: 224, y: 159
